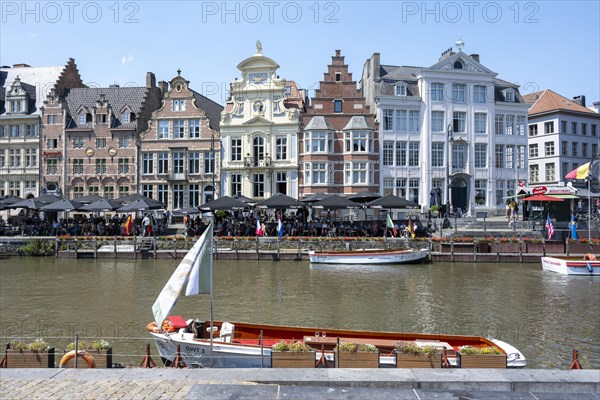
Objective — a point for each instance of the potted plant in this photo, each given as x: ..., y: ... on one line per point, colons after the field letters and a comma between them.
x: 505, y: 245
x: 409, y: 355
x: 481, y: 357
x: 483, y: 244
x: 581, y: 246
x: 99, y: 349
x: 435, y: 210
x: 352, y: 355
x: 36, y: 354
x: 294, y: 355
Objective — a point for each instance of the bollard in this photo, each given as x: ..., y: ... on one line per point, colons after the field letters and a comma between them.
x: 575, y: 364
x: 445, y: 361
x: 4, y: 362
x: 178, y: 361
x: 148, y: 362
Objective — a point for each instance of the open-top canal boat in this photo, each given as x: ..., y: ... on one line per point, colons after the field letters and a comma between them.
x: 392, y: 256
x: 589, y: 265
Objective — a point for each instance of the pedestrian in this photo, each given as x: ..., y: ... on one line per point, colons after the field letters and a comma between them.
x: 145, y: 224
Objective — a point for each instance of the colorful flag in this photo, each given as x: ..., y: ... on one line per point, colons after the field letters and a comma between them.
x: 410, y: 228
x: 128, y: 225
x: 279, y: 226
x: 588, y: 170
x: 390, y: 224
x: 549, y: 227
x: 259, y: 231
x: 573, y: 228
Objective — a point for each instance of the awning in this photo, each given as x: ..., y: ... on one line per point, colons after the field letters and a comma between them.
x: 564, y: 196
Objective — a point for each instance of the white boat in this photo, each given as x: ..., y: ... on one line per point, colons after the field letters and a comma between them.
x: 572, y: 265
x: 209, y: 343
x: 393, y: 256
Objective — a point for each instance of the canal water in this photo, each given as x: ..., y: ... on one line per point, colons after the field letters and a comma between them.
x: 544, y: 315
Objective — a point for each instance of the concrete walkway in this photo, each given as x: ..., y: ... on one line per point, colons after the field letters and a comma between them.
x: 417, y: 384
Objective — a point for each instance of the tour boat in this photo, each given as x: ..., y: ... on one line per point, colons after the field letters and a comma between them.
x: 392, y: 256
x: 572, y: 265
x: 226, y: 344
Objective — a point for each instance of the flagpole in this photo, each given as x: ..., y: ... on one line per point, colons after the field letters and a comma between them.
x: 211, y: 294
x: 589, y: 209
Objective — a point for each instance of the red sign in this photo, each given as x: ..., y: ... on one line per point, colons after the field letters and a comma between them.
x: 521, y: 183
x: 539, y: 190
x: 51, y: 153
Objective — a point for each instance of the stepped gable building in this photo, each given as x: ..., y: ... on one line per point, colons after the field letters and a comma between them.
x: 180, y: 150
x: 91, y: 145
x: 563, y: 134
x: 22, y: 93
x: 452, y: 132
x: 339, y: 142
x: 259, y: 129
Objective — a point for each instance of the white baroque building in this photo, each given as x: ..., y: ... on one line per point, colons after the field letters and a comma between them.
x: 449, y: 132
x: 259, y: 132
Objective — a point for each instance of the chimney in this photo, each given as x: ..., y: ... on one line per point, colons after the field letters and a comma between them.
x: 150, y: 80
x: 376, y: 66
x: 163, y: 86
x: 579, y: 100
x: 475, y: 57
x: 337, y: 53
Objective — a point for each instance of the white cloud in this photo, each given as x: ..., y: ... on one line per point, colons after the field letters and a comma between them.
x: 127, y: 59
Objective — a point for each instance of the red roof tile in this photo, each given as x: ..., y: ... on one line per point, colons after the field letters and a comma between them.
x: 547, y: 100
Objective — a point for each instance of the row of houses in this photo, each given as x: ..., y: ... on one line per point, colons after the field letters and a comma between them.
x: 453, y: 129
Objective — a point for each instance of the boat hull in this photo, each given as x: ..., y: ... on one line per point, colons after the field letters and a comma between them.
x: 571, y: 266
x: 369, y: 257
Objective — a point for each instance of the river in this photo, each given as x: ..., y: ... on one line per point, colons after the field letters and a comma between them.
x: 544, y: 315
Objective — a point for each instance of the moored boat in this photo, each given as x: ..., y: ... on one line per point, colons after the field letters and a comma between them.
x: 589, y: 265
x: 392, y: 256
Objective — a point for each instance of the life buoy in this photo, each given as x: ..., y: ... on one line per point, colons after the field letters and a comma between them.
x: 152, y: 327
x: 589, y: 257
x: 167, y: 326
x: 91, y: 363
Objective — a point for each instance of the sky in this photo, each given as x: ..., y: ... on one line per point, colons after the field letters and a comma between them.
x: 537, y: 44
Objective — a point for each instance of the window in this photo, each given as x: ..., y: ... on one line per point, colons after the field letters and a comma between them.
x: 337, y: 106
x: 583, y: 129
x: 533, y: 150
x: 360, y: 173
x: 101, y: 118
x: 163, y: 163
x: 281, y: 182
x: 357, y: 141
x: 51, y: 143
x: 123, y: 191
x: 594, y: 128
x: 521, y: 125
x: 549, y: 148
x: 178, y: 105
x: 480, y: 155
x: 480, y: 192
x: 15, y: 131
x: 281, y: 148
x: 163, y: 130
x: 413, y: 121
x: 509, y: 95
x: 77, y: 166
x: 437, y: 121
x: 147, y: 190
x: 388, y: 152
x: 563, y: 126
x: 82, y: 118
x: 459, y: 156
x: 510, y: 120
x: 388, y: 186
x: 94, y: 190
x: 479, y: 94
x: 31, y: 130
x: 52, y: 119
x: 499, y: 156
x: 317, y: 142
x: 510, y: 157
x: 499, y: 124
x: 236, y: 149
x: 30, y: 158
x: 14, y: 157
x: 401, y: 120
x: 564, y: 146
x: 594, y: 149
x: 163, y: 194
x: 178, y: 129
x: 400, y: 89
x: 194, y: 195
x: 533, y: 130
x: 459, y: 122
x: 258, y: 187
x: 259, y: 149
x: 338, y: 76
x: 499, y: 191
x: 437, y: 154
x: 584, y: 150
x: 101, y: 166
x: 480, y: 123
x: 178, y: 162
x: 125, y: 117
x: 401, y: 187
x: 413, y: 190
x: 388, y: 120
x: 209, y: 162
x: 549, y: 127
x: 123, y: 165
x: 437, y: 91
x: 123, y: 143
x: 550, y: 172
x: 521, y: 156
x: 573, y: 149
x: 319, y: 173
x: 574, y: 128
x: 194, y: 128
x: 236, y: 184
x: 458, y: 93
x: 78, y: 143
x: 77, y: 192
x: 413, y: 154
x: 400, y: 153
x: 194, y: 162
x: 178, y: 196
x: 101, y: 143
x: 147, y: 163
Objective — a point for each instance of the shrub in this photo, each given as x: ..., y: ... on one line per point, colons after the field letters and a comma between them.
x: 37, y: 248
x: 470, y: 350
x: 281, y: 346
x: 299, y: 347
x: 412, y: 348
x: 37, y: 345
x: 348, y: 347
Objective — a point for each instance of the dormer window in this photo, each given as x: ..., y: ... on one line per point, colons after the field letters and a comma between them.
x: 509, y: 95
x: 400, y: 89
x: 100, y: 118
x: 82, y: 118
x: 458, y: 64
x: 126, y: 117
x: 179, y: 105
x: 338, y: 76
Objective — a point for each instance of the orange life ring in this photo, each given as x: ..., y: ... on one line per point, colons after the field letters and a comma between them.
x: 152, y: 327
x: 70, y: 355
x: 167, y: 326
x: 589, y: 257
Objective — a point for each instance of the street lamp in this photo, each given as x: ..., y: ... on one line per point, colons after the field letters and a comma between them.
x: 214, y: 166
x: 449, y: 141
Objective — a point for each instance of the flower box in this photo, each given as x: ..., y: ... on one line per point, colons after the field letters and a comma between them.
x: 359, y: 359
x: 534, y: 248
x: 293, y: 359
x: 103, y: 359
x: 404, y: 360
x: 482, y: 360
x: 483, y: 247
x: 459, y: 247
x: 30, y: 359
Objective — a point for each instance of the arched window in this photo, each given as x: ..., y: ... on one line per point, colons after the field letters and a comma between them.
x: 259, y: 148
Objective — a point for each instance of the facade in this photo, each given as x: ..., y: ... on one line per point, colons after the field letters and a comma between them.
x: 259, y: 130
x: 89, y: 142
x: 450, y: 133
x: 563, y: 134
x: 339, y: 144
x: 22, y: 93
x: 180, y: 150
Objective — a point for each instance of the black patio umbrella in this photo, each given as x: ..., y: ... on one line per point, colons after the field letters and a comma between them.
x: 364, y: 197
x: 391, y: 201
x: 32, y: 204
x: 335, y: 202
x: 223, y: 203
x: 141, y: 205
x: 243, y: 198
x: 88, y: 199
x: 315, y: 197
x: 62, y: 205
x: 8, y: 200
x: 279, y: 201
x: 101, y: 205
x: 49, y: 198
x: 187, y: 211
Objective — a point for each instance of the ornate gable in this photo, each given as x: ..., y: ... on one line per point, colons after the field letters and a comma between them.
x: 461, y: 62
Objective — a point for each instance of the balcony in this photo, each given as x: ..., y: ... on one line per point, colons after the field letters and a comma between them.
x: 254, y: 162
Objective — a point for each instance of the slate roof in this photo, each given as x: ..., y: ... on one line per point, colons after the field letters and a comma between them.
x: 547, y: 101
x: 117, y: 98
x: 212, y: 109
x: 357, y: 122
x: 37, y: 81
x: 318, y: 123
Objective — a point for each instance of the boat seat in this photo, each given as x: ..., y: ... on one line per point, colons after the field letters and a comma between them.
x: 226, y: 334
